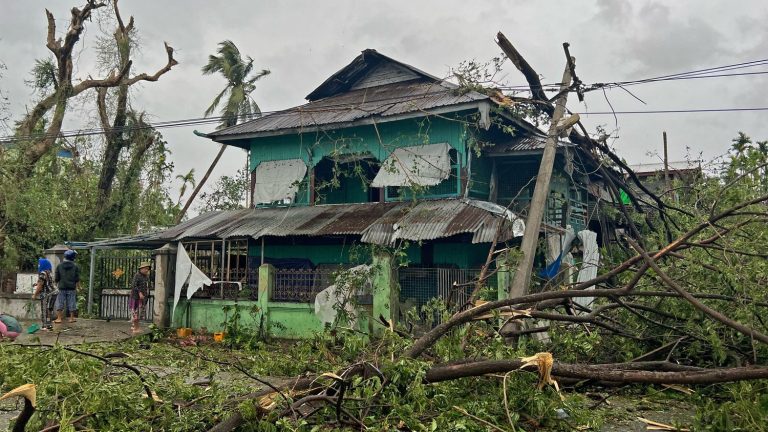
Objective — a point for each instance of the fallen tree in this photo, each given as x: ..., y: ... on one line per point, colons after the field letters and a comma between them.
x: 703, y: 235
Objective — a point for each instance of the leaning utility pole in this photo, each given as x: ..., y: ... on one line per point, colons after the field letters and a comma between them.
x: 541, y: 190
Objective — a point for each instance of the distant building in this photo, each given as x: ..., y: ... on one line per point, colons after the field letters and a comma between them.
x: 681, y: 172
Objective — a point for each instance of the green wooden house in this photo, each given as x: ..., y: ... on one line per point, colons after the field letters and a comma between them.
x: 384, y: 164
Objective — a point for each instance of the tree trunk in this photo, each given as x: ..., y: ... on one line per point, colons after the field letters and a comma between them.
x: 201, y: 183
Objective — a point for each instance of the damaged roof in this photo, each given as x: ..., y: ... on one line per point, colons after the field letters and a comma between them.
x: 522, y: 144
x: 353, y: 108
x: 372, y: 88
x: 378, y: 223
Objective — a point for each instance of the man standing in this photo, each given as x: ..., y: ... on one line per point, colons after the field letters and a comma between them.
x: 139, y: 294
x: 68, y: 278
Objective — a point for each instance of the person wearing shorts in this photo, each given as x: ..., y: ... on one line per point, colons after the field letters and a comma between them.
x: 68, y: 278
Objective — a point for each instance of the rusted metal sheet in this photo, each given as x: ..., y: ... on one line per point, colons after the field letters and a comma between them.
x: 387, y: 100
x: 522, y: 144
x: 379, y: 223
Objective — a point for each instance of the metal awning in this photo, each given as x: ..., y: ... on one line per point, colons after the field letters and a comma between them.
x: 378, y: 223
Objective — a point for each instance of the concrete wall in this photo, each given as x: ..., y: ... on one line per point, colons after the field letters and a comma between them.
x: 284, y: 319
x: 20, y: 306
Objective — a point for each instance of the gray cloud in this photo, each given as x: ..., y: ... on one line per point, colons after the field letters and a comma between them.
x: 302, y: 42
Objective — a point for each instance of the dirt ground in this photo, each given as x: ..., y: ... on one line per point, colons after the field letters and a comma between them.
x: 622, y: 413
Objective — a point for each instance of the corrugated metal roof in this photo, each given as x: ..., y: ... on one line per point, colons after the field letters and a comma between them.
x: 379, y: 223
x: 523, y: 144
x: 350, y: 74
x: 355, y: 105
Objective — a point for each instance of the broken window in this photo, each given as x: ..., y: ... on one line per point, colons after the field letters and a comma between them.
x: 346, y: 179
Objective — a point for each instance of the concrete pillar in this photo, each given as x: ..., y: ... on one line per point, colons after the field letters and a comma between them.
x: 165, y: 261
x: 55, y: 254
x: 266, y: 284
x: 386, y: 291
x: 504, y: 275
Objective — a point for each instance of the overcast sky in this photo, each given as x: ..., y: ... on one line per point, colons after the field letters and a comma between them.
x: 303, y: 42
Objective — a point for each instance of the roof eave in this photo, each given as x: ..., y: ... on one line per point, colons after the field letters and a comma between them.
x: 377, y: 119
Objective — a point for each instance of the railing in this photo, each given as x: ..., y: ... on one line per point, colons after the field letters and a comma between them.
x: 301, y: 285
x: 223, y: 290
x: 114, y: 305
x: 115, y: 271
x: 450, y: 286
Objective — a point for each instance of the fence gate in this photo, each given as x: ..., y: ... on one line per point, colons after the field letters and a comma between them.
x: 112, y: 283
x: 419, y: 286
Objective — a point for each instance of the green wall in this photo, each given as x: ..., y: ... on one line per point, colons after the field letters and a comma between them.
x: 286, y: 320
x: 318, y: 254
x: 463, y: 255
x: 379, y: 141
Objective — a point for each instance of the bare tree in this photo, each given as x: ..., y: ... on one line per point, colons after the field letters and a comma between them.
x: 64, y: 87
x: 117, y: 136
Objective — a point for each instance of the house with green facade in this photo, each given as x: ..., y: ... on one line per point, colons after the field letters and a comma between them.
x: 412, y: 181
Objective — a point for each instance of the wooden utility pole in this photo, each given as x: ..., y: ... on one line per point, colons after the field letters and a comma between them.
x: 666, y: 165
x: 541, y: 189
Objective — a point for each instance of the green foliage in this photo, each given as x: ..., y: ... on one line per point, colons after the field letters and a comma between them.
x: 50, y: 200
x: 244, y: 335
x: 734, y: 407
x: 55, y: 203
x: 43, y: 76
x: 228, y: 193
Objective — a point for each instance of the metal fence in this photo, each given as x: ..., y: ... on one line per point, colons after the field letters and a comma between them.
x: 228, y: 291
x: 114, y: 305
x: 116, y: 271
x: 301, y: 285
x: 451, y: 287
x: 113, y: 274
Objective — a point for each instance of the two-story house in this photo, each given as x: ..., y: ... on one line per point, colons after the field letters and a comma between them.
x: 385, y: 164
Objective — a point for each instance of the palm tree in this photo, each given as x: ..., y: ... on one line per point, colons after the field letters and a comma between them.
x: 186, y: 179
x: 239, y: 105
x: 240, y: 83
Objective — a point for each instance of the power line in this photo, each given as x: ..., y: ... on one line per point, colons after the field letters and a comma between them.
x: 699, y: 73
x: 680, y: 111
x: 711, y: 72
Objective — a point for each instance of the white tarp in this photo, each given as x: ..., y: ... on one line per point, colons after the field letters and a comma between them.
x: 329, y: 300
x: 278, y: 180
x: 558, y: 243
x: 187, y: 273
x: 425, y: 165
x: 589, y: 264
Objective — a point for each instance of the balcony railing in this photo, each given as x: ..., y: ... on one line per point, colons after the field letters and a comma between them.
x: 301, y: 285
